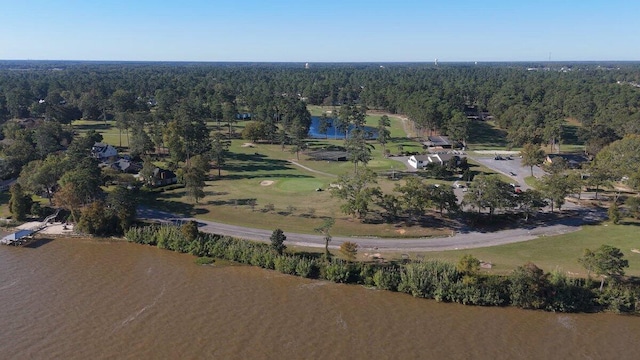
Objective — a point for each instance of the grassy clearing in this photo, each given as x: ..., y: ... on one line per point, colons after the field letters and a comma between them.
x: 554, y: 252
x: 110, y: 133
x: 485, y: 135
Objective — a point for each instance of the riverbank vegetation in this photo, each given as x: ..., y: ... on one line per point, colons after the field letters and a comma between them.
x: 527, y: 287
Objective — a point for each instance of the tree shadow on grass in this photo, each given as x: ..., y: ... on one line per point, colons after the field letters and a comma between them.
x: 570, y: 135
x: 235, y: 202
x: 254, y: 176
x: 483, y: 134
x: 253, y: 163
x: 168, y: 203
x: 629, y: 223
x: 199, y: 211
x: 86, y: 127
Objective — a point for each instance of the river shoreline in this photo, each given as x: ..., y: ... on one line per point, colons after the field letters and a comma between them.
x: 527, y: 287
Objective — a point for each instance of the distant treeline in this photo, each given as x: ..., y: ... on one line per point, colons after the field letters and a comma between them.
x: 527, y: 287
x: 529, y: 101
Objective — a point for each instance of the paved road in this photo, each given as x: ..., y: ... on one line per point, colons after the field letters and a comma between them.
x: 459, y: 240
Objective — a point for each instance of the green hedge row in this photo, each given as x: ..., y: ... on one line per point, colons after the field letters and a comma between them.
x: 526, y: 287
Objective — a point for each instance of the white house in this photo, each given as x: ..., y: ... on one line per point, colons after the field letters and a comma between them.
x: 103, y: 151
x: 420, y: 161
x: 441, y: 159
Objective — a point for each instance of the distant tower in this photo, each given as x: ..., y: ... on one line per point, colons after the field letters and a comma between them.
x: 436, y: 62
x: 306, y: 65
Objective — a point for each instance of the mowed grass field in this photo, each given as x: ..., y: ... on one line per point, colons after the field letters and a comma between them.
x: 559, y: 252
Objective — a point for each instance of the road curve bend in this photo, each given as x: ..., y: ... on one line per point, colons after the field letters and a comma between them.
x: 457, y: 241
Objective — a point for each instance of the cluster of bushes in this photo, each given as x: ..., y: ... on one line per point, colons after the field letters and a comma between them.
x: 527, y: 287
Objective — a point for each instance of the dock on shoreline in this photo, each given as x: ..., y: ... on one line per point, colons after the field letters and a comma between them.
x: 18, y: 238
x: 24, y: 233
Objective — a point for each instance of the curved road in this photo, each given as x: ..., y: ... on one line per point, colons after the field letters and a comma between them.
x: 460, y: 240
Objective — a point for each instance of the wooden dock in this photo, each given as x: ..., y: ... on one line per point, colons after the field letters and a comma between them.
x: 23, y: 236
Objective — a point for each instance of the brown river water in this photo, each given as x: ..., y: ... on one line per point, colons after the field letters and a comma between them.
x: 87, y: 299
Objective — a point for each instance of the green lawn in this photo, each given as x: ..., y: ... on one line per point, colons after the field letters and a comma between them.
x: 556, y: 252
x: 485, y: 135
x: 532, y: 181
x: 110, y: 133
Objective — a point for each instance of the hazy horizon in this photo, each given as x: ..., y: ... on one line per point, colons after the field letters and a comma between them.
x: 375, y: 31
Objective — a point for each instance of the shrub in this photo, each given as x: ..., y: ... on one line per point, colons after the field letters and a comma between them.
x: 305, y: 267
x: 422, y: 279
x: 618, y: 299
x: 387, y: 279
x: 366, y: 274
x: 568, y: 295
x: 528, y: 286
x: 286, y: 264
x: 337, y: 271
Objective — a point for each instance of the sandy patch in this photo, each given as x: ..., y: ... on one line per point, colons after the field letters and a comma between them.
x: 266, y: 182
x: 248, y: 145
x: 56, y: 228
x: 29, y: 225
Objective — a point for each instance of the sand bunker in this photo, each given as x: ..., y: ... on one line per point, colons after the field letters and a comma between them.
x: 266, y: 182
x: 248, y: 145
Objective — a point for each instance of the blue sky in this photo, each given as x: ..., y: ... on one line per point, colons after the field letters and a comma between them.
x: 320, y: 31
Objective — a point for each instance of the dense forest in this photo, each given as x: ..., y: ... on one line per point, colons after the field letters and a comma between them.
x: 529, y: 101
